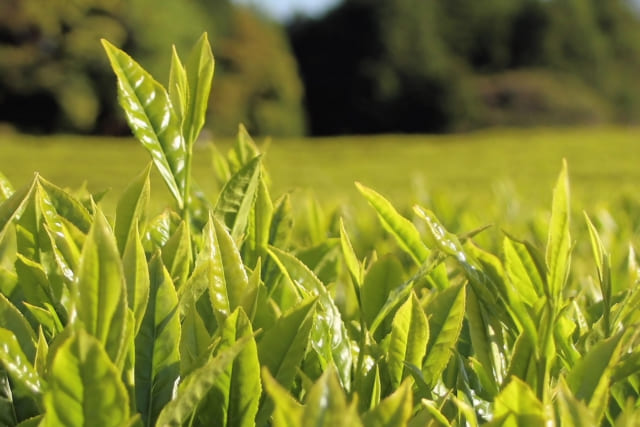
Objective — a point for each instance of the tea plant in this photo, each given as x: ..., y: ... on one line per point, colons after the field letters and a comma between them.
x: 212, y: 313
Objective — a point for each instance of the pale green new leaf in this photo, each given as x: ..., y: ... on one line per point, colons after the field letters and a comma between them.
x: 394, y: 410
x: 132, y: 208
x: 326, y: 405
x: 559, y: 240
x: 194, y: 388
x: 350, y: 258
x: 521, y: 271
x: 136, y: 274
x: 235, y: 394
x: 17, y: 364
x: 178, y: 87
x: 237, y: 198
x: 100, y: 292
x: 446, y: 313
x: 6, y: 189
x: 152, y: 119
x: 281, y: 349
x: 383, y: 277
x: 401, y: 228
x: 518, y: 406
x: 409, y: 338
x: 199, y: 73
x: 258, y: 227
x: 156, y: 346
x: 12, y: 319
x: 288, y: 412
x: 177, y: 255
x: 590, y: 378
x: 85, y: 387
x: 14, y: 205
x: 572, y: 412
x: 67, y: 206
x: 244, y: 150
x: 329, y: 336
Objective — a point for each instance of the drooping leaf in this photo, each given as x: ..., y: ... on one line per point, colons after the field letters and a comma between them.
x: 132, y: 207
x: 446, y: 313
x: 559, y: 240
x: 156, y: 345
x: 408, y: 341
x: 152, y: 119
x: 85, y: 386
x: 100, y: 293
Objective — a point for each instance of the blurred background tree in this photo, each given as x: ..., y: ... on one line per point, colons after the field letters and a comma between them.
x: 449, y: 65
x: 54, y: 75
x: 366, y: 66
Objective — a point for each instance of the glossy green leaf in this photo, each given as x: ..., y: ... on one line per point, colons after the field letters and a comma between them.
x: 394, y: 410
x: 17, y: 364
x: 12, y: 319
x: 590, y: 378
x: 13, y: 206
x: 288, y: 412
x: 157, y: 355
x: 401, y: 228
x: 326, y: 404
x: 521, y: 271
x: 237, y: 198
x: 152, y: 119
x: 67, y: 206
x: 132, y: 207
x: 408, y: 341
x: 199, y: 73
x: 446, y: 313
x: 351, y: 260
x: 559, y: 240
x: 136, y: 274
x: 177, y: 255
x: 234, y: 397
x: 329, y: 336
x: 517, y: 406
x: 258, y: 227
x: 6, y: 189
x: 282, y: 347
x: 178, y: 87
x: 194, y: 388
x: 84, y: 386
x: 383, y: 277
x: 100, y: 293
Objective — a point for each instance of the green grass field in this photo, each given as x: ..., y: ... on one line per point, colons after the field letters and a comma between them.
x: 475, y: 168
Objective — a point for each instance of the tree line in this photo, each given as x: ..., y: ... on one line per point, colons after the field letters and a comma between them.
x: 367, y: 66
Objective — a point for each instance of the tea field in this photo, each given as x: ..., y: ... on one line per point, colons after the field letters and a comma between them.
x: 478, y: 169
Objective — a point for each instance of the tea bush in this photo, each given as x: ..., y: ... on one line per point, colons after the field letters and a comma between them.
x: 215, y: 313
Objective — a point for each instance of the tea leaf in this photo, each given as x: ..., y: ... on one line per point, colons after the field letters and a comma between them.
x: 199, y: 73
x: 409, y: 337
x: 394, y: 410
x: 326, y: 404
x: 17, y: 364
x: 288, y: 412
x: 446, y: 313
x: 132, y: 207
x: 12, y: 319
x: 156, y: 345
x: 100, y: 291
x: 176, y: 255
x: 559, y: 240
x: 152, y: 119
x: 136, y: 273
x: 517, y: 405
x: 84, y: 386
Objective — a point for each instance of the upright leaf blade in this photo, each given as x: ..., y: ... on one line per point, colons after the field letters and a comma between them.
x: 100, y: 290
x: 152, y: 119
x: 559, y: 240
x: 157, y: 357
x: 199, y: 70
x: 85, y: 386
x: 131, y: 208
